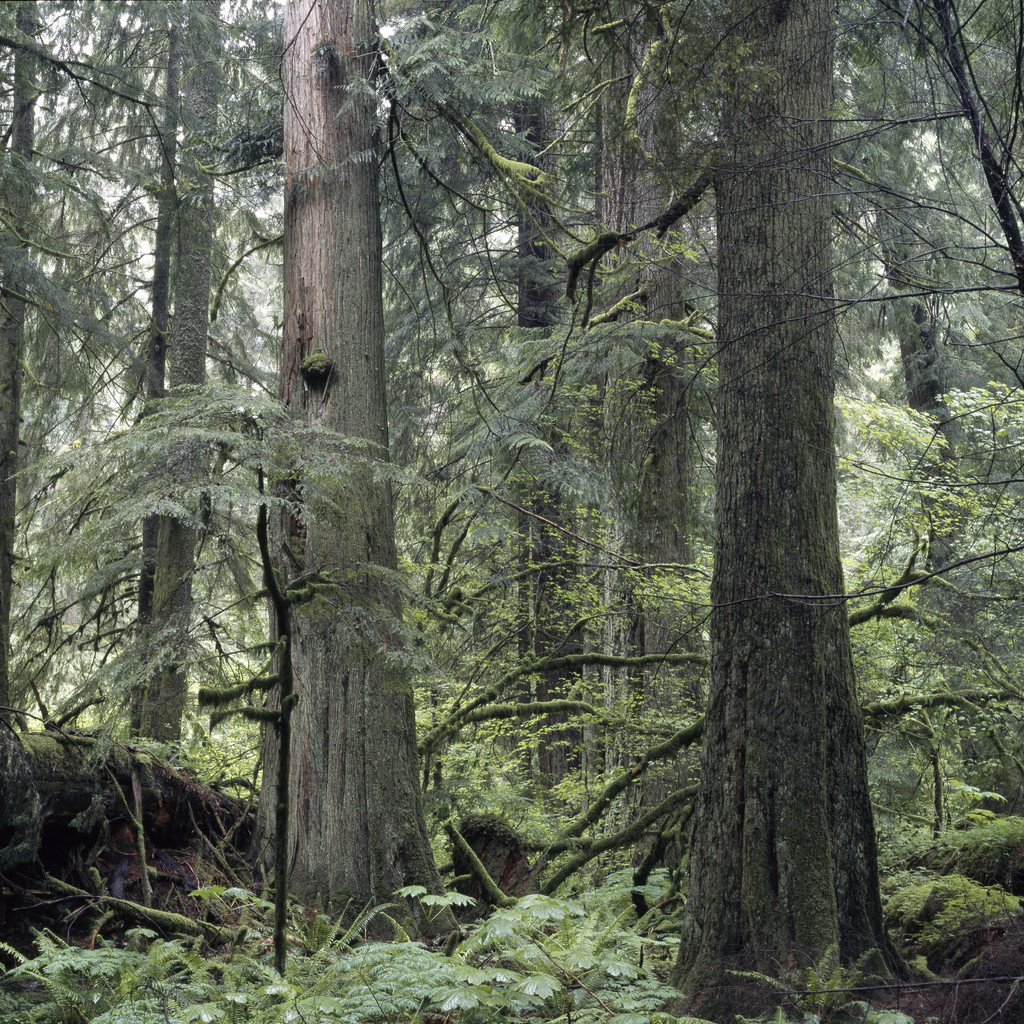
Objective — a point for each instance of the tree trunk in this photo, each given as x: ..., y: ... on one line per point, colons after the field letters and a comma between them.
x: 549, y: 613
x: 783, y: 867
x: 165, y: 700
x: 12, y: 338
x: 655, y: 472
x: 357, y: 831
x: 156, y: 350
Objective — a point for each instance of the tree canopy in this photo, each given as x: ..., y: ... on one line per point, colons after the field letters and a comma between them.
x: 556, y: 466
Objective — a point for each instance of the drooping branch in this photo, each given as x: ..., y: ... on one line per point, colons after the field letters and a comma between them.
x: 78, y: 70
x: 995, y: 176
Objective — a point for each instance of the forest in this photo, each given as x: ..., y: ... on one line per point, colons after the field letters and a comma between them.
x: 509, y: 510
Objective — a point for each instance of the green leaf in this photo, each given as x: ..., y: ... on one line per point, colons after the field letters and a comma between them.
x: 458, y: 999
x: 408, y: 892
x: 537, y: 985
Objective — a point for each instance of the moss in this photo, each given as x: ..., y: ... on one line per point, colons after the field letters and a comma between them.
x: 990, y: 852
x: 937, y: 916
x: 20, y: 811
x: 316, y: 369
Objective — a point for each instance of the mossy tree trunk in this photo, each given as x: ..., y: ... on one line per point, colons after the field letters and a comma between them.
x: 155, y: 366
x: 783, y: 866
x: 174, y: 565
x: 12, y: 328
x: 654, y: 472
x: 357, y: 832
x: 547, y: 595
x: 155, y: 363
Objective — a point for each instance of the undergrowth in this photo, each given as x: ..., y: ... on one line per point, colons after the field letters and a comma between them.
x: 934, y: 916
x: 990, y: 851
x: 571, y: 960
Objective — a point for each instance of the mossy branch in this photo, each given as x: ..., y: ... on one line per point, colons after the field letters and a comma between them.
x: 687, y: 326
x: 169, y: 923
x: 490, y: 889
x: 627, y: 302
x: 261, y: 716
x: 575, y: 262
x: 531, y: 709
x: 625, y: 837
x: 879, y: 710
x: 435, y: 541
x: 218, y: 696
x: 523, y: 179
x: 907, y: 578
x: 630, y: 119
x: 668, y: 748
x: 907, y: 612
x: 681, y: 206
x: 608, y: 26
x: 451, y: 726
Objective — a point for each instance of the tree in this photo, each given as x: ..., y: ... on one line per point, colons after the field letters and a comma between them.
x: 358, y: 832
x: 783, y: 864
x: 155, y: 364
x: 174, y: 562
x: 12, y: 323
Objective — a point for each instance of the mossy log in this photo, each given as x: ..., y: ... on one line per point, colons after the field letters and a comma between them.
x: 70, y: 809
x: 64, y: 790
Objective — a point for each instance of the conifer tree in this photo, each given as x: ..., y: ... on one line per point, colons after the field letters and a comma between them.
x: 174, y: 557
x: 783, y: 864
x: 357, y: 832
x: 18, y: 201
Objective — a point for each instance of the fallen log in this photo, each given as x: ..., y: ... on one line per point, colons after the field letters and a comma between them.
x: 79, y: 809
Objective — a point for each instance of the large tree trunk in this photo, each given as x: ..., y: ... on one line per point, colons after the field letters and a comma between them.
x: 357, y: 830
x: 783, y: 866
x: 12, y: 337
x: 164, y: 703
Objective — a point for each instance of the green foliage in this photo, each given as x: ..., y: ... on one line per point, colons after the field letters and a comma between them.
x: 990, y: 851
x: 936, y: 915
x: 821, y: 993
x: 565, y: 959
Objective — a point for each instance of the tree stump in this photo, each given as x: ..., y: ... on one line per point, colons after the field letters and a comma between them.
x: 502, y: 851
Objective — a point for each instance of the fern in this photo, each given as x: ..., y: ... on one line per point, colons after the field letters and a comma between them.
x: 937, y: 914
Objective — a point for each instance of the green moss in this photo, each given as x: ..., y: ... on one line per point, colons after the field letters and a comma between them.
x: 316, y: 369
x: 934, y: 917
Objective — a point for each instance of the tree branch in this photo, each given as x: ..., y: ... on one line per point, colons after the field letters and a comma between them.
x: 490, y: 889
x: 624, y: 837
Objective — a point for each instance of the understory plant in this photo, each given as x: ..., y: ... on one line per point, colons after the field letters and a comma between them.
x: 560, y: 959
